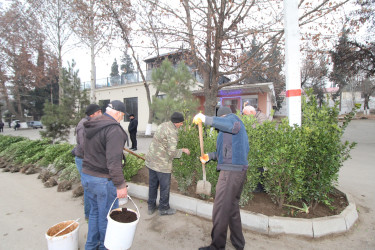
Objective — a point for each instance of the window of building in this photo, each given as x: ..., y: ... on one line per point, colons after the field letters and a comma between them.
x: 131, y: 107
x: 104, y: 104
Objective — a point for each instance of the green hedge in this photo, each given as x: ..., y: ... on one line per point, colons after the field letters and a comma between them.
x: 42, y: 153
x: 301, y: 163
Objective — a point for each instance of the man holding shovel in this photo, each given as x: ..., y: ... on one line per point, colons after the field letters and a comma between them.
x: 163, y: 149
x: 232, y: 148
x: 102, y: 177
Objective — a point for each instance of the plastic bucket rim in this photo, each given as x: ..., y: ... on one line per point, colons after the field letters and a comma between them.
x: 64, y: 235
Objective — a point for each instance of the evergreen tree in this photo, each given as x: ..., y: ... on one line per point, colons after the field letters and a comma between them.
x: 114, y: 69
x: 127, y: 65
x: 58, y: 119
x: 342, y: 66
x: 175, y: 83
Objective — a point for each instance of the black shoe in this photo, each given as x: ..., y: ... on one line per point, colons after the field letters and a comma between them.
x: 134, y: 149
x: 204, y: 248
x: 170, y: 211
x: 151, y: 210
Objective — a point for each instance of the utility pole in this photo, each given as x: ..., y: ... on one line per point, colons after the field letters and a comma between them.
x: 292, y: 62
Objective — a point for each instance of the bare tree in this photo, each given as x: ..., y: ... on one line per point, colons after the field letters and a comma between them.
x: 55, y: 19
x: 94, y: 29
x: 218, y: 32
x: 20, y: 39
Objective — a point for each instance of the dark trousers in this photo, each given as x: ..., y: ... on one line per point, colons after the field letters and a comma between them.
x: 155, y: 179
x: 1, y: 129
x: 226, y: 211
x: 133, y: 138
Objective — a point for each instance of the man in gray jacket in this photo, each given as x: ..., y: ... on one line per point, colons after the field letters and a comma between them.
x: 102, y: 174
x: 92, y: 110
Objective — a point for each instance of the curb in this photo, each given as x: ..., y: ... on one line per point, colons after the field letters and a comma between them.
x: 271, y: 225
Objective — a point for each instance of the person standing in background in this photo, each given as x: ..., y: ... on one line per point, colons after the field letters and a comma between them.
x: 132, y: 128
x: 1, y: 126
x: 92, y: 110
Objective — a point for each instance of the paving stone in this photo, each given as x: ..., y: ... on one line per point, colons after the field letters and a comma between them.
x: 183, y: 203
x: 255, y: 222
x: 328, y: 225
x: 296, y: 226
x: 350, y: 215
x: 204, y: 209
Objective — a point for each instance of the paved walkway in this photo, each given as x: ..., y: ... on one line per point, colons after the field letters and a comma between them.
x: 27, y: 209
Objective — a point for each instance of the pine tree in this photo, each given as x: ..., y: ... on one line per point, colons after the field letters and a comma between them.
x: 114, y: 69
x: 127, y: 65
x: 58, y: 119
x: 175, y: 83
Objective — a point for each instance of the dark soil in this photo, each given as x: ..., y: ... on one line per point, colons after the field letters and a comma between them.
x: 123, y: 216
x: 262, y: 202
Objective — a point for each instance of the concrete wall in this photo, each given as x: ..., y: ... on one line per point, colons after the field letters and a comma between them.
x: 128, y: 91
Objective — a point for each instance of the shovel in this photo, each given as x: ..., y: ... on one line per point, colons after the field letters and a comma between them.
x: 137, y: 155
x: 203, y: 186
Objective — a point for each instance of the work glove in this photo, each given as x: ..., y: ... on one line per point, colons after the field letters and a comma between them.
x: 199, y: 118
x: 204, y: 158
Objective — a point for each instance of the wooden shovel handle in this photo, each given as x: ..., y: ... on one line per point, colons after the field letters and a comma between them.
x: 129, y: 151
x: 200, y: 130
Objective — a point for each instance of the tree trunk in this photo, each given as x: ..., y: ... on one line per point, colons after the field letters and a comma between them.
x: 93, y: 72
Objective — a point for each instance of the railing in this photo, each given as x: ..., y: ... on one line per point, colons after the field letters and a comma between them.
x: 128, y: 78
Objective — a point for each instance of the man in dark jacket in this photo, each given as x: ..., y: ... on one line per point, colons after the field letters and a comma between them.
x: 232, y: 148
x: 1, y: 126
x: 132, y: 128
x: 102, y: 174
x: 92, y: 110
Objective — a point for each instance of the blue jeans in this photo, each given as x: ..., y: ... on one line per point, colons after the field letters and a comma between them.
x: 86, y: 204
x: 156, y: 179
x: 101, y: 193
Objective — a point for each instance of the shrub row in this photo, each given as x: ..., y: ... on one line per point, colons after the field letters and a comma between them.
x: 301, y: 163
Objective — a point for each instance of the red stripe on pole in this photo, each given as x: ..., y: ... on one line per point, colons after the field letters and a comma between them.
x: 293, y: 92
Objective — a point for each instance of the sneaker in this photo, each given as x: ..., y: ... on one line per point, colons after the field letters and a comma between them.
x: 134, y: 149
x: 170, y: 211
x: 204, y: 248
x: 151, y: 210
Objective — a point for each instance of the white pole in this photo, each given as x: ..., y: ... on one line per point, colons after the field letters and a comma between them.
x: 292, y: 62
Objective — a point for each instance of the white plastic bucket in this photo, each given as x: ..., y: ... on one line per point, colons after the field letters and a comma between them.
x: 119, y: 236
x: 67, y: 241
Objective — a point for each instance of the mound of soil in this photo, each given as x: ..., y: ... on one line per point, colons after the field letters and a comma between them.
x: 262, y: 202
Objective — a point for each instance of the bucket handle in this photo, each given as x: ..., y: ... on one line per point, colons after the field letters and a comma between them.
x: 139, y: 214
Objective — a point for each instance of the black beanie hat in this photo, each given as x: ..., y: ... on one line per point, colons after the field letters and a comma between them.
x: 91, y: 109
x: 223, y: 110
x: 177, y: 117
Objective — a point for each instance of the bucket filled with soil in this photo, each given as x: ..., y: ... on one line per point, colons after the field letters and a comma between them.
x: 122, y: 223
x: 67, y: 239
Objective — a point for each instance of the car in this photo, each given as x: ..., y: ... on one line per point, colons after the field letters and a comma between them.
x: 14, y: 122
x: 36, y: 124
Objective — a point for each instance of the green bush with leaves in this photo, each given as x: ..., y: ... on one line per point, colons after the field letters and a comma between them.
x: 188, y: 169
x: 300, y: 163
x: 6, y: 141
x: 15, y: 150
x: 325, y: 152
x: 132, y: 166
x: 70, y: 173
x: 52, y: 152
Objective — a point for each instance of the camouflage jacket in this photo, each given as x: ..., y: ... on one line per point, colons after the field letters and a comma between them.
x: 163, y: 148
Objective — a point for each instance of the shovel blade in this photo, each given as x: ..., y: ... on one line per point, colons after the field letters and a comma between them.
x: 203, y: 187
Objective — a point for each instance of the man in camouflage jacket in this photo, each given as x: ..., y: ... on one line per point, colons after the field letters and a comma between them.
x: 162, y: 151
